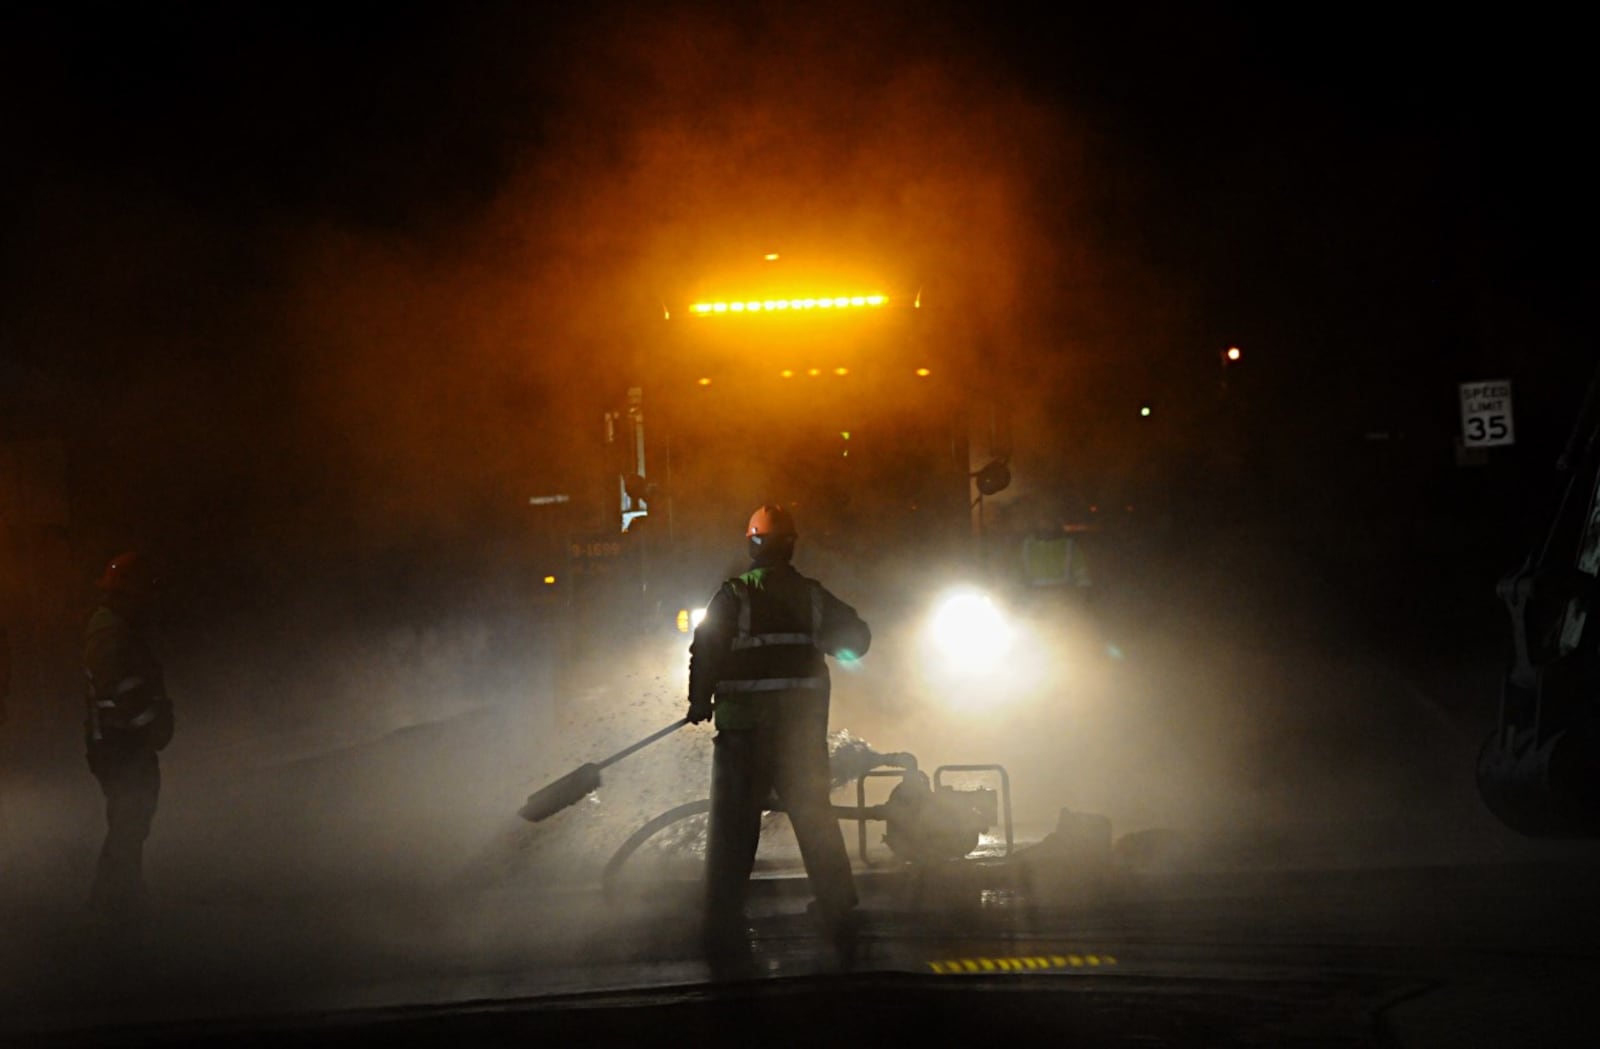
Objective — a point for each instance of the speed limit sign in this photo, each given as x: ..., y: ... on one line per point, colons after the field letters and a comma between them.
x: 1486, y: 413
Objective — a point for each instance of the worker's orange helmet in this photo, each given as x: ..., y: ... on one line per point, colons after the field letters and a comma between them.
x: 770, y: 521
x: 129, y: 573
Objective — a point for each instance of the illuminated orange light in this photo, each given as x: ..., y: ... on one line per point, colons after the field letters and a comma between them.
x: 827, y: 302
x: 549, y: 580
x: 786, y: 374
x: 705, y: 382
x: 841, y: 371
x: 923, y: 373
x: 814, y: 372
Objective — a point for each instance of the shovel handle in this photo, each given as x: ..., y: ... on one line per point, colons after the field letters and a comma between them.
x: 651, y: 738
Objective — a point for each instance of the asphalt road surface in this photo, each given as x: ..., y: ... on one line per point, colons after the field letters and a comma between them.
x: 1414, y: 955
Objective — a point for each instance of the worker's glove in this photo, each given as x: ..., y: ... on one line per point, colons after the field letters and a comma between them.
x: 699, y: 710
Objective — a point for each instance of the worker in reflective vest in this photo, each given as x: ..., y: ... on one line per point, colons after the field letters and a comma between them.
x: 757, y: 667
x: 128, y: 720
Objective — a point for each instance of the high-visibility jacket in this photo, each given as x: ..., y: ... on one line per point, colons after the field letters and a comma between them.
x: 126, y: 694
x: 765, y: 634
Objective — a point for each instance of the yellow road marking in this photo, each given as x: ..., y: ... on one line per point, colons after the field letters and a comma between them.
x: 1025, y: 963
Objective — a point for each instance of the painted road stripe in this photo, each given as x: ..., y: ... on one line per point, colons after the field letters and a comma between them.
x: 1026, y: 963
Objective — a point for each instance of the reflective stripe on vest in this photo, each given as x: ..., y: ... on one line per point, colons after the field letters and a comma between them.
x: 125, y: 686
x: 770, y: 684
x: 151, y: 712
x: 745, y: 641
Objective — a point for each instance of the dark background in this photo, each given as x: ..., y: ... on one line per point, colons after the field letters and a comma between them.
x: 307, y: 300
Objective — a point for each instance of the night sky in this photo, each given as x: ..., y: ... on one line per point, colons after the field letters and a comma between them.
x: 311, y: 284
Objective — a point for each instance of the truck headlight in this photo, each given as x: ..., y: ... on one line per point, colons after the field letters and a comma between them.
x: 968, y: 633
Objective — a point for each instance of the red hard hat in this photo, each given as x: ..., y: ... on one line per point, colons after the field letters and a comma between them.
x: 129, y: 573
x: 770, y: 520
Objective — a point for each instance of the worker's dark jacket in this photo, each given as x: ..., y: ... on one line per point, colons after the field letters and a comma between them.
x: 127, y: 696
x: 764, y: 635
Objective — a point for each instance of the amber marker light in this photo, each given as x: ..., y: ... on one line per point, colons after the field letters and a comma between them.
x: 826, y: 302
x: 923, y: 373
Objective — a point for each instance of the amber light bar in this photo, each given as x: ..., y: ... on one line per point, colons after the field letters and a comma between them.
x: 836, y: 302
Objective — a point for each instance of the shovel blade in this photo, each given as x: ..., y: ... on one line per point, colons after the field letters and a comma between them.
x: 563, y: 793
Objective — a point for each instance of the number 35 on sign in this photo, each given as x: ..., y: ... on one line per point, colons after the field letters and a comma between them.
x: 1486, y: 413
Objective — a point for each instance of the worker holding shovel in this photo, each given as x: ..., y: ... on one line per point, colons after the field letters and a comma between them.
x: 757, y: 667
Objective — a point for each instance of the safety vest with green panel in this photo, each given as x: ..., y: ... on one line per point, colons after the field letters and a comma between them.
x: 763, y: 641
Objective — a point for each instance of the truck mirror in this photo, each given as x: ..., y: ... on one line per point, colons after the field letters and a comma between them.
x: 994, y: 477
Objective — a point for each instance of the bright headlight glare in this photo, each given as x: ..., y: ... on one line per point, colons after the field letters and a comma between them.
x: 969, y: 633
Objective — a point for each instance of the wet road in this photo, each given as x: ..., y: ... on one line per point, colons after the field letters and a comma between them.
x: 1411, y: 955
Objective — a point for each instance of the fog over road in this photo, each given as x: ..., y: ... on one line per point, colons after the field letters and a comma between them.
x: 389, y: 868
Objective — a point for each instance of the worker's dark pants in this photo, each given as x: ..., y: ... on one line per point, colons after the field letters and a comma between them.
x: 130, y: 779
x: 788, y: 754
